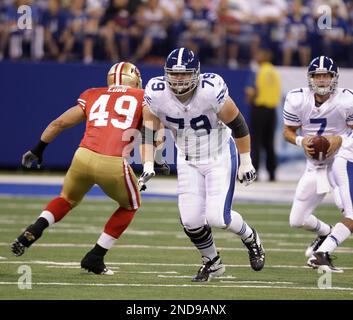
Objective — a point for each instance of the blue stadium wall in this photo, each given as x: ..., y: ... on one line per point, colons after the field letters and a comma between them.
x: 33, y: 94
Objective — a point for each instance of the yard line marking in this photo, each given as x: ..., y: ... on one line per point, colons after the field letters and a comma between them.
x: 256, y: 281
x: 345, y: 250
x: 44, y: 262
x: 189, y: 277
x: 3, y: 258
x: 101, y: 205
x: 173, y: 285
x: 118, y: 270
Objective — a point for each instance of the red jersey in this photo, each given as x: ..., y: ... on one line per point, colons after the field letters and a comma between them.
x: 113, y: 117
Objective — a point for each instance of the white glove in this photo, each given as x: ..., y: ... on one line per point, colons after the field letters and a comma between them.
x: 147, y: 174
x: 246, y: 171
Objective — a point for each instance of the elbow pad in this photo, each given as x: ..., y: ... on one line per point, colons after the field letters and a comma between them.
x: 239, y: 127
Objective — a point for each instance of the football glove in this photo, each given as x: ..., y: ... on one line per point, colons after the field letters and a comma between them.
x: 246, y: 171
x: 163, y: 168
x: 35, y: 154
x: 29, y: 157
x: 147, y: 174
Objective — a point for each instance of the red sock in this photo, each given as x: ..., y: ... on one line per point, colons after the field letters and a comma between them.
x: 118, y: 222
x: 58, y: 207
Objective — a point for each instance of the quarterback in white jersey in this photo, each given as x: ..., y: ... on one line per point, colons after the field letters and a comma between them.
x: 322, y: 109
x: 203, y: 120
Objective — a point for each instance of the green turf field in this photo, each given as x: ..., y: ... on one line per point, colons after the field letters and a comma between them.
x: 155, y: 260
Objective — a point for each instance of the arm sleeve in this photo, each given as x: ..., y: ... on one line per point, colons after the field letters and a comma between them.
x: 82, y: 100
x: 218, y: 94
x: 290, y: 113
x: 149, y: 101
x: 348, y: 99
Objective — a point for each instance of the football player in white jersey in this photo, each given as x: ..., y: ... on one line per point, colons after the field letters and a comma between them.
x: 203, y: 120
x: 322, y: 109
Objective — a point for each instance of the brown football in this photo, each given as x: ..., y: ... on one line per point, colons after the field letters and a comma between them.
x: 320, y: 145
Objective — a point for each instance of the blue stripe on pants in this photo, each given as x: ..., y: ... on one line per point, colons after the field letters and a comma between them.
x: 234, y: 168
x: 350, y: 178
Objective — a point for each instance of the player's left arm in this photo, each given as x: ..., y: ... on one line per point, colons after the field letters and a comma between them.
x: 68, y: 119
x: 232, y: 117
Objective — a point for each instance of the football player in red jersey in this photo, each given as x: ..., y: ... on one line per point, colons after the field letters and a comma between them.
x: 113, y: 117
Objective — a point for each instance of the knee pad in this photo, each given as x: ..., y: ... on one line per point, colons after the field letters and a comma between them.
x: 296, y: 220
x: 201, y: 237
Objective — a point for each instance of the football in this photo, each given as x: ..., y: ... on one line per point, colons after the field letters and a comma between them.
x: 320, y: 145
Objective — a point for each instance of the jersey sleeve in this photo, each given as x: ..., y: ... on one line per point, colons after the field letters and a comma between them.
x: 347, y: 99
x: 148, y: 98
x: 82, y: 99
x: 216, y: 94
x: 291, y: 110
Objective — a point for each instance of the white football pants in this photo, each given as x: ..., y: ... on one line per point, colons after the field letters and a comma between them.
x: 205, y: 191
x: 307, y: 198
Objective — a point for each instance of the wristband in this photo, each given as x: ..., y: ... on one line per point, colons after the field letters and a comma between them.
x: 245, y: 158
x: 39, y: 148
x: 299, y: 141
x: 148, y: 166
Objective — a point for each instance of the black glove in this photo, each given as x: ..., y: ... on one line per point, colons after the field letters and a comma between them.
x: 35, y: 154
x: 163, y: 168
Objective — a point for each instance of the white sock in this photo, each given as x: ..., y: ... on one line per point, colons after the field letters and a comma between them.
x: 47, y: 215
x: 240, y: 227
x: 210, y: 252
x: 208, y: 247
x: 106, y: 241
x: 314, y: 224
x: 339, y: 233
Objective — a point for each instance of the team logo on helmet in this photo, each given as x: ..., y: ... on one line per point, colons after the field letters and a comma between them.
x: 182, y: 70
x: 322, y: 65
x: 124, y: 73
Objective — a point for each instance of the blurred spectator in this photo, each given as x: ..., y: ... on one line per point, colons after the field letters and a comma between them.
x: 152, y: 18
x: 19, y: 38
x: 336, y: 40
x: 94, y: 10
x: 233, y: 31
x: 117, y: 29
x: 263, y: 94
x: 221, y: 32
x: 54, y: 21
x: 297, y: 27
x: 74, y: 32
x: 199, y: 28
x: 4, y: 30
x: 174, y: 10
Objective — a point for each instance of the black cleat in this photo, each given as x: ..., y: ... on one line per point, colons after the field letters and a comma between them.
x: 94, y: 263
x: 315, y: 245
x: 322, y: 260
x: 25, y: 240
x: 256, y: 252
x: 209, y: 269
x: 17, y: 248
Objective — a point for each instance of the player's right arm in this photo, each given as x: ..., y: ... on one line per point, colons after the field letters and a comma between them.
x: 293, y: 121
x: 290, y: 135
x: 68, y: 119
x: 150, y: 125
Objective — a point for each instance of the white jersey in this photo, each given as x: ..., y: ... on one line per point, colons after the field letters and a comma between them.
x: 331, y: 118
x: 197, y: 131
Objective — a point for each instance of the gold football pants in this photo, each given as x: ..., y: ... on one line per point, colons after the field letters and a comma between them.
x: 113, y: 174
